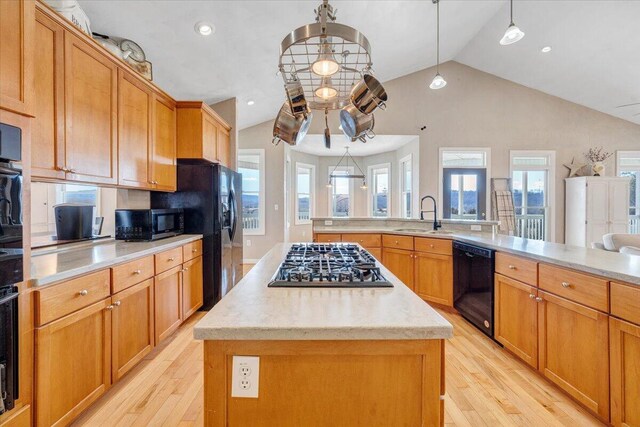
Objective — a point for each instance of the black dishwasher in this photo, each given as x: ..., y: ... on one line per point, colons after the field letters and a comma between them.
x: 473, y: 284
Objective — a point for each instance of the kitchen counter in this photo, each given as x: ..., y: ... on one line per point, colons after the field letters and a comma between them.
x: 252, y: 311
x: 64, y: 262
x: 611, y: 265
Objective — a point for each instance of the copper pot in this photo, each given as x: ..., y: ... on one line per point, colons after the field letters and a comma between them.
x: 289, y: 128
x: 368, y: 94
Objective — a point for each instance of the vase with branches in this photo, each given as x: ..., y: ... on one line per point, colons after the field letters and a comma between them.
x: 597, y: 156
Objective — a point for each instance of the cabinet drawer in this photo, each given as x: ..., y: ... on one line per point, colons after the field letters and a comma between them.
x: 364, y: 240
x: 328, y: 238
x: 518, y: 268
x: 168, y: 259
x: 191, y: 250
x: 434, y: 246
x: 59, y: 300
x: 625, y: 302
x: 579, y: 287
x: 136, y: 271
x: 398, y: 242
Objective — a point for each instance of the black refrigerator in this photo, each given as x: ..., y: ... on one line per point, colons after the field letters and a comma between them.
x: 211, y: 196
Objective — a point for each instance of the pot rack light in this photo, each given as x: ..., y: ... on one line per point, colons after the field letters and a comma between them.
x: 346, y: 156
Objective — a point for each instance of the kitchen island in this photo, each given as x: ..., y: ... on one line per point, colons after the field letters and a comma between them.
x: 340, y: 356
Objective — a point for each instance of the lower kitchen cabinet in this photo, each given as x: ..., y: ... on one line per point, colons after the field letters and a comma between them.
x: 192, y: 297
x: 574, y: 350
x: 433, y: 277
x: 132, y: 327
x: 400, y: 263
x: 625, y: 373
x: 168, y: 302
x: 516, y: 318
x: 73, y: 363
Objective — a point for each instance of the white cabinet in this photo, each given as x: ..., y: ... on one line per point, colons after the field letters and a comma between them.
x: 595, y: 206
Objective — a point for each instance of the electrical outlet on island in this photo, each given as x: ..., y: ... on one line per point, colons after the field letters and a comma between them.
x: 245, y: 376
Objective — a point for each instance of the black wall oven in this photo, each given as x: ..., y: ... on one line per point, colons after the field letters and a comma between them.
x: 11, y: 261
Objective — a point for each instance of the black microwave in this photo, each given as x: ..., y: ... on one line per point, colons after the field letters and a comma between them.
x: 148, y: 224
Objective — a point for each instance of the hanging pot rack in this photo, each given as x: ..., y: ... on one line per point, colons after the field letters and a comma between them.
x: 346, y: 156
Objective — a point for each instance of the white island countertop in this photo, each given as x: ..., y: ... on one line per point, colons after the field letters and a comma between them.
x: 253, y: 311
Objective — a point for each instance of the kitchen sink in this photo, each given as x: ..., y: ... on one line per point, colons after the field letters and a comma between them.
x: 421, y: 231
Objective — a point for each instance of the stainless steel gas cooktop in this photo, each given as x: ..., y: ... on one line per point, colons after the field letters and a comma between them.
x: 332, y: 265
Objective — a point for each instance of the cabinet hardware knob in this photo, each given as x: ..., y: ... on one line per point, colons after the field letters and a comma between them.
x: 431, y: 246
x: 71, y: 170
x: 185, y: 269
x: 83, y: 293
x: 532, y: 296
x: 539, y: 299
x: 194, y: 251
x: 566, y: 285
x: 396, y: 242
x: 512, y: 267
x: 63, y: 169
x: 109, y: 307
x: 117, y: 303
x: 137, y: 271
x: 171, y: 259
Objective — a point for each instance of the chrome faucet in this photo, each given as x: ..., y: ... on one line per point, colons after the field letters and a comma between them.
x: 436, y: 224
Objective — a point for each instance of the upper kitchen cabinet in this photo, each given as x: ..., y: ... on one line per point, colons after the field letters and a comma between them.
x: 16, y: 55
x: 163, y: 148
x: 202, y: 133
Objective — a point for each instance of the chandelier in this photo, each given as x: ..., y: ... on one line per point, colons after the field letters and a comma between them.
x: 327, y: 66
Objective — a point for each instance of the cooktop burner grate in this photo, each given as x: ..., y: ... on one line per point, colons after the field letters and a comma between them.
x: 332, y: 265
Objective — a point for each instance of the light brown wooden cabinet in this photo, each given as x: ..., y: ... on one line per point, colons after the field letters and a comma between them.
x: 16, y: 55
x: 516, y: 318
x: 168, y: 302
x: 433, y: 277
x: 192, y: 291
x: 91, y: 89
x: 573, y: 343
x: 73, y: 363
x: 202, y: 133
x: 132, y: 327
x: 163, y: 147
x: 401, y: 263
x: 625, y: 373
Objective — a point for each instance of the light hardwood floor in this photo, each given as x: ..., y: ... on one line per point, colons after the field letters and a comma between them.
x: 486, y: 386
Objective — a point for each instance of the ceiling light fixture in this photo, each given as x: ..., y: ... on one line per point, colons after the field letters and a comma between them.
x: 346, y: 156
x: 546, y: 49
x: 513, y: 33
x: 251, y: 102
x: 326, y: 64
x: 438, y: 81
x: 326, y: 89
x: 204, y: 28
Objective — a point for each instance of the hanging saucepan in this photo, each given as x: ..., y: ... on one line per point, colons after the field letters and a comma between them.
x: 289, y: 128
x: 368, y: 95
x: 356, y: 125
x: 295, y: 96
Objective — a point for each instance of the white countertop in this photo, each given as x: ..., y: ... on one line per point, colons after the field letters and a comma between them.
x: 53, y: 265
x: 611, y: 265
x: 253, y: 311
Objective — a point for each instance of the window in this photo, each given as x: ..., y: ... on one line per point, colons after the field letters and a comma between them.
x: 251, y: 166
x: 340, y: 191
x: 379, y: 190
x: 305, y: 184
x: 628, y: 164
x: 533, y: 179
x: 464, y: 174
x: 406, y: 184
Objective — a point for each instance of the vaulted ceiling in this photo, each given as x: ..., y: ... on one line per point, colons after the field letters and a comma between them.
x: 594, y: 59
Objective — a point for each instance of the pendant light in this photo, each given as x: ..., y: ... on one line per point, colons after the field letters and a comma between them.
x: 438, y: 81
x: 326, y: 89
x: 326, y: 64
x: 513, y: 33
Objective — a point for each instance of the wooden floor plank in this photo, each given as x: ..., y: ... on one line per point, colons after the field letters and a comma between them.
x: 486, y: 386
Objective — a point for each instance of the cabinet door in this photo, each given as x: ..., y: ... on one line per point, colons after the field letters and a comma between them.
x: 47, y: 144
x: 91, y: 112
x: 625, y: 373
x: 168, y: 302
x: 433, y: 280
x: 400, y: 263
x: 209, y: 138
x: 619, y: 206
x: 224, y: 146
x: 192, y: 291
x: 16, y: 55
x: 597, y: 210
x: 134, y: 131
x: 73, y: 363
x: 132, y: 327
x: 573, y: 345
x: 164, y: 145
x: 516, y: 322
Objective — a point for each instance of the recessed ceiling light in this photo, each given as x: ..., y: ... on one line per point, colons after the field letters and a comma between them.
x: 546, y: 49
x: 251, y: 102
x: 205, y: 28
